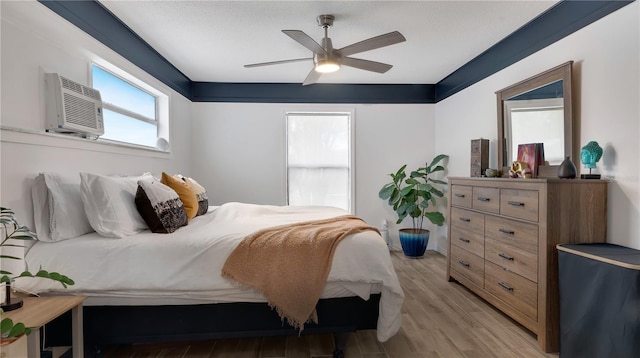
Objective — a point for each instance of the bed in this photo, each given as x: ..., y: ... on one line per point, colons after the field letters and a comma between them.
x: 149, y: 287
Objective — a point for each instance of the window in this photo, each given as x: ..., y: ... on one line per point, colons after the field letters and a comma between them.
x: 130, y: 112
x: 319, y: 159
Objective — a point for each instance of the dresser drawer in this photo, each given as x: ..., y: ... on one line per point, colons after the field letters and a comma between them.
x: 518, y: 203
x: 467, y: 265
x: 472, y: 241
x: 461, y: 195
x: 516, y: 290
x: 486, y: 199
x: 520, y: 235
x: 466, y: 219
x: 515, y: 259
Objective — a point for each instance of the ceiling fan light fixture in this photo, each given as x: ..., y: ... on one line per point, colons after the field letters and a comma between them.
x: 327, y: 66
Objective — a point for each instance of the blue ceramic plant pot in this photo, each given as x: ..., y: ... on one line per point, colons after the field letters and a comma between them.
x: 414, y: 242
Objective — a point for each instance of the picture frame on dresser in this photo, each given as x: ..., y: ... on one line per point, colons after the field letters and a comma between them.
x: 502, y: 242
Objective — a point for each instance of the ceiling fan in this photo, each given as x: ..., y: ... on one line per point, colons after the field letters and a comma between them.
x: 326, y: 59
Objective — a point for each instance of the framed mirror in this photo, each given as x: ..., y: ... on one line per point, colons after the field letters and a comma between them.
x: 538, y: 110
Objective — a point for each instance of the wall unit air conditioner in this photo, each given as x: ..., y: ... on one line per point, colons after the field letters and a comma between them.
x: 72, y: 107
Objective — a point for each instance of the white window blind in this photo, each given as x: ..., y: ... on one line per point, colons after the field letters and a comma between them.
x: 319, y: 159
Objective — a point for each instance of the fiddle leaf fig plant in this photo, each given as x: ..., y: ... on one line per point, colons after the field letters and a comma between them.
x: 15, y: 235
x: 413, y: 195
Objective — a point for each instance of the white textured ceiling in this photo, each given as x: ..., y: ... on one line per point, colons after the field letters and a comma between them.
x: 212, y: 40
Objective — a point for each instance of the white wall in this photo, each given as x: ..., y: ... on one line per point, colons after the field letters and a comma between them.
x: 239, y: 152
x: 36, y: 40
x: 607, y: 95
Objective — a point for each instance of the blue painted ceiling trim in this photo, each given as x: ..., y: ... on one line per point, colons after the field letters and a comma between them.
x: 317, y: 93
x: 559, y: 21
x: 97, y: 21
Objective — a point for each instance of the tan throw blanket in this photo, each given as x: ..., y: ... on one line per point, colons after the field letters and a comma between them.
x: 290, y: 264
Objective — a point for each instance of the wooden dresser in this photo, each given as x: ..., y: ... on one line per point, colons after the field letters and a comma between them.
x: 502, y: 242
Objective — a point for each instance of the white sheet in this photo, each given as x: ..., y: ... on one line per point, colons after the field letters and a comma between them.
x: 190, y: 260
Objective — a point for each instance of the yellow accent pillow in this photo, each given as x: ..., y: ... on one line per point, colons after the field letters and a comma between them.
x: 185, y: 193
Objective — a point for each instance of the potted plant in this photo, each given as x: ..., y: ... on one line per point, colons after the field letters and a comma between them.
x: 14, y: 235
x: 411, y: 196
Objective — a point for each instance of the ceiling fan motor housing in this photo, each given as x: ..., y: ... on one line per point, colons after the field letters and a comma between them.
x: 325, y: 21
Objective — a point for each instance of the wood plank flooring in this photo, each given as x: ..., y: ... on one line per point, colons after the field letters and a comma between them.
x: 440, y: 319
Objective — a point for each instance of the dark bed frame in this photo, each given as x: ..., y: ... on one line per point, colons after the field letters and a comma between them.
x: 109, y: 325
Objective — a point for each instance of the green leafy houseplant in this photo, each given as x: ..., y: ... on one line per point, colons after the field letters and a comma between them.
x: 413, y: 195
x: 16, y: 235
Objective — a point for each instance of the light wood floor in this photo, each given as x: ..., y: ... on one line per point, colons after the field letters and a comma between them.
x: 440, y: 319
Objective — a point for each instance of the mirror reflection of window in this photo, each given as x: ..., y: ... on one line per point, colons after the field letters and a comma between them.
x: 536, y: 121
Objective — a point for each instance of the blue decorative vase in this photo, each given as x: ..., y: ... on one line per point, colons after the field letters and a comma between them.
x: 414, y: 242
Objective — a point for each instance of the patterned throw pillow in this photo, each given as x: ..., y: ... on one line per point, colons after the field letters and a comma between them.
x: 160, y: 206
x: 201, y: 195
x: 185, y: 193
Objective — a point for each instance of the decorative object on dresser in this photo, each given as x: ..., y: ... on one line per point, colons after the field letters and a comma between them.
x: 479, y: 156
x: 567, y: 170
x: 491, y: 173
x: 519, y: 170
x: 589, y: 156
x: 502, y: 239
x: 411, y: 197
x: 532, y: 154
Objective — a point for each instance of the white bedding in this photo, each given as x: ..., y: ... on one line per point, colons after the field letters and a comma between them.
x: 185, y: 266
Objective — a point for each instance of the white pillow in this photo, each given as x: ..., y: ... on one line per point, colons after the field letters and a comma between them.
x: 58, y: 210
x: 40, y: 199
x: 109, y: 203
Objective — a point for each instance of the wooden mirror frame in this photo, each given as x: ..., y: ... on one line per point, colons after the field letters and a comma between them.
x: 562, y: 72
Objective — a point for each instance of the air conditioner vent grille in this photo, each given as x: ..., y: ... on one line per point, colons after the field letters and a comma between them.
x: 71, y: 85
x: 79, y: 111
x: 90, y: 92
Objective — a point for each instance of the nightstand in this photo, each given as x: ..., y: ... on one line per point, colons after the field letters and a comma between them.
x: 38, y: 311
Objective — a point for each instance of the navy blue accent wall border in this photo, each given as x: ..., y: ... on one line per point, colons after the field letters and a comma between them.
x: 559, y: 21
x: 317, y: 93
x: 94, y: 19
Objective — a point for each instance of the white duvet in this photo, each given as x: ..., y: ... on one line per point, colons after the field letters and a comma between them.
x: 187, y: 263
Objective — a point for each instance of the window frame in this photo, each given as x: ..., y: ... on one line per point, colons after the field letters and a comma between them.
x: 350, y: 113
x: 161, y: 109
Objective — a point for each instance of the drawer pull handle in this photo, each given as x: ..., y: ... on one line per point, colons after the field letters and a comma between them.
x: 464, y: 240
x: 504, y: 256
x: 482, y: 198
x: 515, y: 203
x: 463, y: 263
x: 465, y: 219
x: 505, y: 286
x: 507, y: 231
x: 460, y: 195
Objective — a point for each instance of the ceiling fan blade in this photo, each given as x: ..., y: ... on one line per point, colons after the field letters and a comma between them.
x: 277, y: 62
x: 366, y: 64
x: 372, y: 43
x: 305, y: 40
x: 312, y: 77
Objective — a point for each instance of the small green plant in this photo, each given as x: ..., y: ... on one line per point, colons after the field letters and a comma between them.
x: 411, y: 196
x: 16, y: 235
x: 10, y: 329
